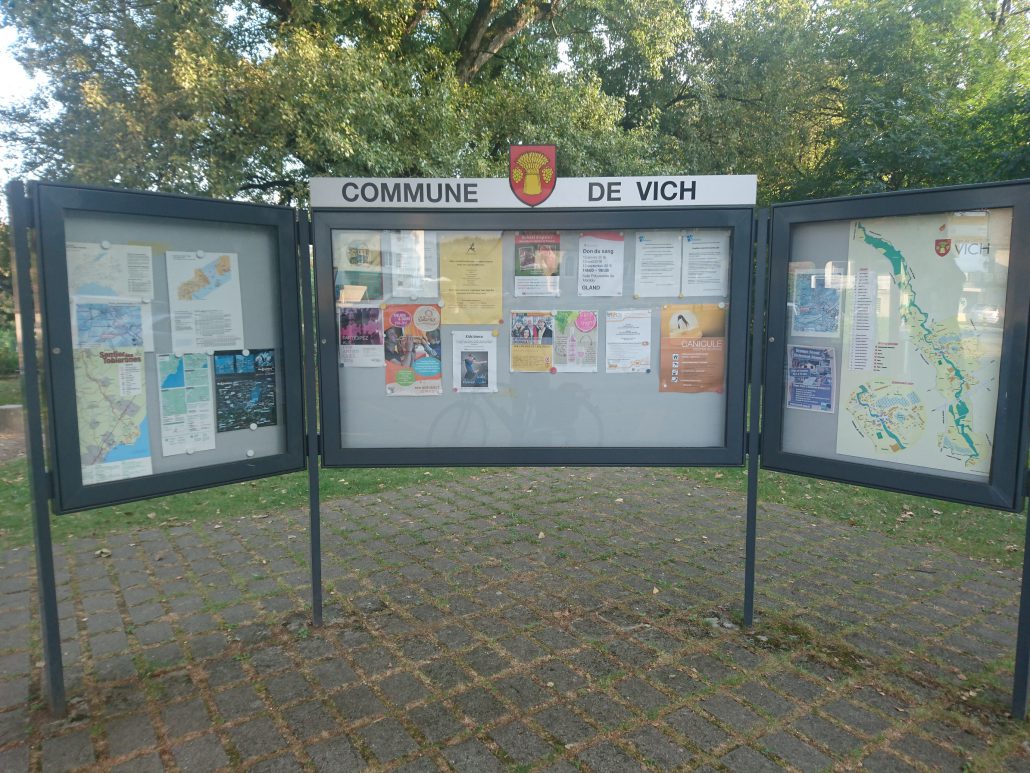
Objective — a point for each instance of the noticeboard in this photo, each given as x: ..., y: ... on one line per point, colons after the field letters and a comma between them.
x: 898, y: 339
x: 173, y: 345
x: 532, y: 337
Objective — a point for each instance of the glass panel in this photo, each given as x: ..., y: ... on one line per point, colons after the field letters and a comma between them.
x: 532, y: 338
x: 894, y: 340
x: 176, y: 343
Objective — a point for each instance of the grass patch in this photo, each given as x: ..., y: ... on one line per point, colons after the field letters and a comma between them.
x: 10, y: 390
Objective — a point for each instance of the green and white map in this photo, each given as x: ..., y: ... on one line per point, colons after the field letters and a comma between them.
x: 111, y: 398
x: 919, y: 368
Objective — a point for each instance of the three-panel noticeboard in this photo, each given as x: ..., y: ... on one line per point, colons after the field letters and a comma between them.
x: 460, y: 327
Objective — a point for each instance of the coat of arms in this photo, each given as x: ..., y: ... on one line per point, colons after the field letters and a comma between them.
x: 532, y: 172
x: 942, y: 246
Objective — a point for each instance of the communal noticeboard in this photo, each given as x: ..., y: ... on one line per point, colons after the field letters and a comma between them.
x: 897, y: 342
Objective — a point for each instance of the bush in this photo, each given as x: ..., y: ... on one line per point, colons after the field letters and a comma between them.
x: 8, y: 352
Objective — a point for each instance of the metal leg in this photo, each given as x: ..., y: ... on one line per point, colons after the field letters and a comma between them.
x: 1021, y: 682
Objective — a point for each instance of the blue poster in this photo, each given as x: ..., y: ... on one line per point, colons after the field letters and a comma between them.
x: 810, y: 378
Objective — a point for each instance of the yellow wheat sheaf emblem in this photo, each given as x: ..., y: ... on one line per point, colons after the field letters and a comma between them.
x: 532, y: 172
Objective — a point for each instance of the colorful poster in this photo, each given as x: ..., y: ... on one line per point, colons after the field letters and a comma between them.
x: 627, y: 341
x: 204, y: 299
x: 532, y: 341
x: 187, y: 403
x: 815, y: 306
x: 706, y: 263
x: 361, y: 335
x: 658, y: 265
x: 474, y: 361
x: 111, y: 323
x: 118, y: 270
x: 111, y: 403
x: 575, y: 341
x: 358, y: 266
x: 693, y: 348
x: 538, y: 260
x: 601, y: 259
x: 413, y: 265
x: 413, y: 350
x: 245, y: 389
x: 471, y: 278
x: 811, y: 385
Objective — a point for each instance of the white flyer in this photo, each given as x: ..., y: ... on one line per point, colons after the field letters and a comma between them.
x: 119, y: 270
x: 601, y: 259
x: 413, y: 264
x: 205, y: 300
x: 474, y: 361
x: 111, y: 323
x: 706, y: 263
x: 187, y: 403
x: 658, y: 264
x: 627, y: 341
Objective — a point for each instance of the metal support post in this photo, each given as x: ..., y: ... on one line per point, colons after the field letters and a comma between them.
x: 1021, y: 682
x: 25, y: 316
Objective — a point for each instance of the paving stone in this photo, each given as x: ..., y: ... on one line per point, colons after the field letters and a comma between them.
x: 520, y: 743
x: 445, y: 674
x: 358, y: 703
x: 388, y: 739
x: 66, y: 752
x: 558, y: 676
x: 744, y: 759
x: 222, y: 672
x: 521, y: 691
x: 256, y: 737
x: 284, y: 763
x: 658, y: 749
x: 308, y: 719
x: 336, y: 755
x: 606, y: 757
x: 604, y: 711
x: 563, y: 724
x: 403, y: 689
x: 183, y: 718
x: 881, y: 761
x: 331, y: 674
x: 797, y: 687
x: 148, y: 763
x: 795, y: 752
x: 479, y: 705
x: 827, y: 734
x: 201, y: 754
x: 472, y: 757
x: 270, y: 659
x: 287, y: 687
x: 766, y: 700
x: 129, y: 733
x: 239, y: 701
x: 697, y: 730
x: 485, y: 661
x: 14, y: 691
x: 15, y: 759
x: 730, y: 712
x: 928, y: 753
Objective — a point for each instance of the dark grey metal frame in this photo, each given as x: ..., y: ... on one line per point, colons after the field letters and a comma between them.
x: 51, y: 202
x: 740, y: 220
x: 1004, y: 488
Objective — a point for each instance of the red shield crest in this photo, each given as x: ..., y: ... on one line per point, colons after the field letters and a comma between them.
x: 532, y: 172
x: 942, y: 246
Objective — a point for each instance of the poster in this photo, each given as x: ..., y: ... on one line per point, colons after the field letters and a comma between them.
x: 413, y: 264
x: 538, y: 260
x: 245, y: 389
x: 413, y: 350
x: 111, y: 403
x: 919, y: 383
x: 474, y: 361
x: 361, y: 335
x: 693, y: 348
x: 358, y: 266
x: 815, y: 306
x: 811, y: 382
x: 532, y: 341
x: 575, y: 341
x: 658, y: 265
x: 204, y: 300
x: 111, y: 323
x: 471, y: 278
x: 601, y: 259
x: 187, y: 403
x: 627, y: 341
x: 706, y: 263
x: 115, y: 270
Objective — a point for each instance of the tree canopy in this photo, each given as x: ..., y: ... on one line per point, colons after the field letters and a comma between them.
x: 251, y: 98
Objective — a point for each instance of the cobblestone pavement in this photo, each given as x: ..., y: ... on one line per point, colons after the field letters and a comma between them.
x: 523, y: 620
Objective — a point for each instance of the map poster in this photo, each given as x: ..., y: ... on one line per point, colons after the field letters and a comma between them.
x: 627, y: 342
x: 471, y: 278
x: 413, y: 350
x: 118, y: 270
x: 532, y: 341
x: 361, y: 336
x: 922, y: 390
x: 575, y: 341
x: 413, y: 265
x: 814, y: 305
x: 811, y: 385
x: 205, y: 301
x: 245, y: 389
x: 474, y: 361
x: 659, y: 264
x: 693, y: 348
x: 187, y: 403
x: 602, y: 255
x: 111, y: 323
x: 111, y: 403
x: 706, y: 263
x: 538, y: 260
x: 358, y: 266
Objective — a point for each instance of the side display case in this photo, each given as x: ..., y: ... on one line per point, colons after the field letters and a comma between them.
x: 898, y: 342
x: 572, y: 337
x: 173, y: 344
